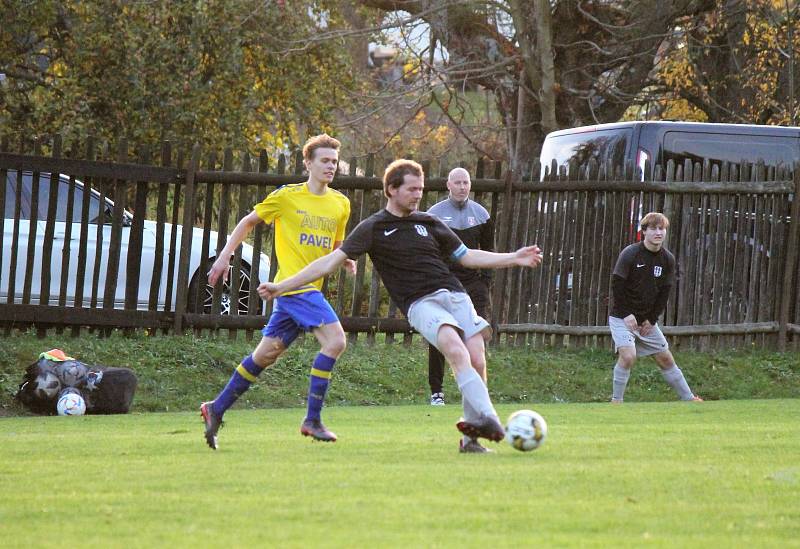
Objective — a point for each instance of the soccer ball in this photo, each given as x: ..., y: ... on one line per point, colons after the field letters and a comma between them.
x: 70, y: 403
x: 526, y: 430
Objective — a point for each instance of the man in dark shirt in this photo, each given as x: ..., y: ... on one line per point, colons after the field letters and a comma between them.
x: 640, y: 286
x: 410, y: 251
x: 473, y: 225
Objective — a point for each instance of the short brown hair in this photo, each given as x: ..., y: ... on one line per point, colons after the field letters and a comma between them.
x: 654, y: 219
x: 319, y: 142
x: 397, y: 171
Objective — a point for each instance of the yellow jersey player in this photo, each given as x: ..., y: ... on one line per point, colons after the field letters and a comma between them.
x: 309, y: 222
x: 411, y: 251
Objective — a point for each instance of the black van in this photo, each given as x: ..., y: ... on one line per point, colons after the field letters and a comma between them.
x: 658, y: 142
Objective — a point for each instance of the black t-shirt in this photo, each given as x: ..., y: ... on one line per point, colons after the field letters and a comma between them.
x: 410, y: 253
x: 641, y: 282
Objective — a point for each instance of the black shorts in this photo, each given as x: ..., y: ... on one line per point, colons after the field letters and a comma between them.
x: 478, y: 291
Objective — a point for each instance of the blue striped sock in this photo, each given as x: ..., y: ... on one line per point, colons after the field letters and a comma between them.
x: 318, y: 384
x: 243, y: 376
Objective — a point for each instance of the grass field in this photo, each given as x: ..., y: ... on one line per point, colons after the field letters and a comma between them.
x: 658, y: 474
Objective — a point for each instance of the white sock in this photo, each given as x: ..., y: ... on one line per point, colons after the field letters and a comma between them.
x: 474, y: 392
x: 621, y: 376
x: 470, y: 415
x: 674, y: 377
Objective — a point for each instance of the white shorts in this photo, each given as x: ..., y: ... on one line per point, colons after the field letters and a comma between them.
x: 652, y: 343
x: 427, y: 314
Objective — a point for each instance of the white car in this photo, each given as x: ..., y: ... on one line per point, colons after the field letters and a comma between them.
x: 197, y: 269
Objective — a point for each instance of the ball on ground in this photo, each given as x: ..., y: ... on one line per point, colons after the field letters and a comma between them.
x: 526, y: 430
x: 71, y: 403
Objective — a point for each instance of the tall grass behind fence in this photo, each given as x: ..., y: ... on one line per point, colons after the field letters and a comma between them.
x: 731, y: 232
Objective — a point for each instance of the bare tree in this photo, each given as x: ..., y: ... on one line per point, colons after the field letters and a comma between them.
x: 548, y: 63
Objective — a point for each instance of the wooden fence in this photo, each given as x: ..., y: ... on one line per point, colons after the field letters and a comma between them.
x: 732, y: 232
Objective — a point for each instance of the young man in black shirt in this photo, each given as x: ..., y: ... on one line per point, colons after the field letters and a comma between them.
x: 640, y: 286
x: 473, y: 225
x: 410, y: 250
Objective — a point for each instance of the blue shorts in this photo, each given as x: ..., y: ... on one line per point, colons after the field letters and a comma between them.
x: 296, y: 312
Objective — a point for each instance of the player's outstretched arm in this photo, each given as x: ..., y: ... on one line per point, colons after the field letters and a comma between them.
x: 314, y: 270
x: 349, y: 265
x: 529, y: 256
x: 243, y: 228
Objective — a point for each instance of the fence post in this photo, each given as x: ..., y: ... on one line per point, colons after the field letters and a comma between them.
x: 503, y: 240
x: 119, y: 192
x: 186, y: 242
x: 27, y: 283
x: 791, y: 260
x: 49, y: 231
x: 254, y: 301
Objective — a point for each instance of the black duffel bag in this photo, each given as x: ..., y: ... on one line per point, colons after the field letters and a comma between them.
x: 105, y: 390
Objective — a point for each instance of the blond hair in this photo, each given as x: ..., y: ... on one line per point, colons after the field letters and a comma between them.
x: 654, y: 219
x: 318, y: 142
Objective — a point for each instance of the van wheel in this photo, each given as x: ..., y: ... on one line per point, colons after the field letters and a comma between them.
x: 201, y: 293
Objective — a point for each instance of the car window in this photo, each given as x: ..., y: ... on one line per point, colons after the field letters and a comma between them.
x: 719, y: 148
x: 11, y: 197
x: 44, y: 198
x: 63, y: 197
x: 604, y: 146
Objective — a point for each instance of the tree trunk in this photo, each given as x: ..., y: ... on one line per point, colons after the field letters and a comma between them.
x: 544, y: 48
x: 358, y: 44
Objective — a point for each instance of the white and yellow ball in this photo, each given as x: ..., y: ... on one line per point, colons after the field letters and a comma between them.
x: 526, y: 430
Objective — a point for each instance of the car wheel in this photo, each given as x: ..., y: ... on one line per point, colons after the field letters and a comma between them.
x: 202, y: 303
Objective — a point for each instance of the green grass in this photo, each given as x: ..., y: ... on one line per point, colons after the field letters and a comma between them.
x: 659, y: 474
x: 177, y: 373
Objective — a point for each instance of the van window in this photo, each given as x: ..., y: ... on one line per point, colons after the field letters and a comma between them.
x: 718, y: 148
x: 605, y: 146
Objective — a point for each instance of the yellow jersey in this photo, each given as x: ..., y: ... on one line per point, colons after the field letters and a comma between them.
x: 306, y: 227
